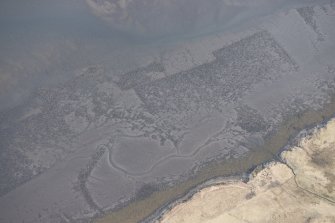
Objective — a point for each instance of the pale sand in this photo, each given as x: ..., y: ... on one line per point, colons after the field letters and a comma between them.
x: 301, y: 189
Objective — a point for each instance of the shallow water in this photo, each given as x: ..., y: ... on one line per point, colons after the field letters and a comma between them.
x: 43, y: 42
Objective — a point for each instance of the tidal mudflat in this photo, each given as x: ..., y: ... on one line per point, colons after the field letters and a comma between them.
x: 135, y: 125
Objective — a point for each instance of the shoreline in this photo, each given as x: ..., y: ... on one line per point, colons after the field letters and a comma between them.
x: 244, y: 177
x: 288, y: 160
x: 146, y: 209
